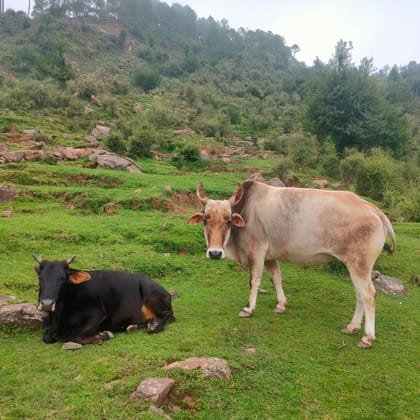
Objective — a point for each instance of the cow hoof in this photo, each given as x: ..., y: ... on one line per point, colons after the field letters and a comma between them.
x: 365, y: 343
x: 245, y: 313
x: 106, y: 335
x: 280, y: 310
x: 350, y: 330
x: 131, y: 328
x: 152, y: 325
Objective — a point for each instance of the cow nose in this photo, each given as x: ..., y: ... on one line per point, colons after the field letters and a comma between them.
x: 215, y: 254
x: 47, y: 305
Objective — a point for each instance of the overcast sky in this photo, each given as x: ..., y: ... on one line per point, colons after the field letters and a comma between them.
x: 386, y: 30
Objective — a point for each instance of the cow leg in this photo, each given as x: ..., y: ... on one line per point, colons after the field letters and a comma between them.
x: 275, y: 276
x: 365, y: 303
x: 255, y: 271
x: 89, y: 332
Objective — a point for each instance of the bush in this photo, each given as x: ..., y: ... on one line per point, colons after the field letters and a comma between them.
x: 188, y: 156
x: 141, y: 142
x: 147, y: 79
x: 115, y: 143
x: 377, y: 173
x: 351, y: 165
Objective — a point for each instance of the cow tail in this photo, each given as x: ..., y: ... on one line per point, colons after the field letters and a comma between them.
x: 390, y: 231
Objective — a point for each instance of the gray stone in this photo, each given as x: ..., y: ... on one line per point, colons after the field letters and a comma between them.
x: 71, y: 345
x: 23, y: 314
x: 211, y: 367
x: 386, y: 284
x: 154, y: 389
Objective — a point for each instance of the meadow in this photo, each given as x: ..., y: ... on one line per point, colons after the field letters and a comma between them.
x: 297, y: 365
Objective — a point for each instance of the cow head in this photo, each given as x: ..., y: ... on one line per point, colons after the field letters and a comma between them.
x: 218, y: 220
x: 53, y: 275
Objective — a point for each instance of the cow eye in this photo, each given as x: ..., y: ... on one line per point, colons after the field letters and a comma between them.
x: 205, y: 222
x: 229, y: 223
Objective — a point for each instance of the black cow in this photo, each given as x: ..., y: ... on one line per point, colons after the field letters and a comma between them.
x: 84, y: 306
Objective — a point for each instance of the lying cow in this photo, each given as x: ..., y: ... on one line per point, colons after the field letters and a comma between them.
x: 261, y: 224
x: 84, y: 306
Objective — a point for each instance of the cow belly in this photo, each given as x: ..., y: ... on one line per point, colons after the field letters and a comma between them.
x: 307, y: 260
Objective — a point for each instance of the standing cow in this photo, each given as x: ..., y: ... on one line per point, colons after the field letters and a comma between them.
x: 83, y: 306
x: 261, y: 224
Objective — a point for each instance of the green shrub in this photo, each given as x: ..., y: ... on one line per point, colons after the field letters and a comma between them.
x: 141, y: 142
x: 115, y: 143
x: 377, y: 173
x: 146, y: 78
x: 351, y: 165
x: 188, y: 156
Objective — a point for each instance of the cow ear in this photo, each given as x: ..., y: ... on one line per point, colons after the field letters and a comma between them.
x: 196, y: 218
x: 79, y: 277
x: 237, y: 220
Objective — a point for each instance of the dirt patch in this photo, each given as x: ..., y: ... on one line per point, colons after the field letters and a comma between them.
x: 177, y: 203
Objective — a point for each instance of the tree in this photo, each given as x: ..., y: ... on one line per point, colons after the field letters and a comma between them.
x: 345, y: 103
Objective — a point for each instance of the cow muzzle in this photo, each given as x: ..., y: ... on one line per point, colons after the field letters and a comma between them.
x: 215, y: 253
x: 46, y: 305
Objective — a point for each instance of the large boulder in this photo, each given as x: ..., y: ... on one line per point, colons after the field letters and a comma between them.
x: 108, y: 160
x: 23, y: 314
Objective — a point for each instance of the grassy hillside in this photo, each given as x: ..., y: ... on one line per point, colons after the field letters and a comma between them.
x: 299, y: 365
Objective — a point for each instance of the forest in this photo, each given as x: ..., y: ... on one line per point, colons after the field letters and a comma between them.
x: 351, y: 123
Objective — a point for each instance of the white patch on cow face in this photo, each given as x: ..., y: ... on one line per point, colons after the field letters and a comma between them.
x: 217, y: 226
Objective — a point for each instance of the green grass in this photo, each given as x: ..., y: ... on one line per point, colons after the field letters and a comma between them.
x: 302, y: 367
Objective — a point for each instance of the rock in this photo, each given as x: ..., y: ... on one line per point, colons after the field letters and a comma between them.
x: 71, y: 345
x: 88, y: 110
x: 23, y: 314
x: 211, y: 367
x: 71, y: 153
x: 6, y: 195
x: 4, y: 300
x: 276, y: 182
x: 107, y: 160
x: 386, y: 284
x: 95, y: 101
x: 154, y: 389
x: 184, y: 132
x: 100, y: 130
x: 7, y: 213
x: 137, y: 107
x: 321, y: 182
x: 91, y: 140
x: 415, y: 280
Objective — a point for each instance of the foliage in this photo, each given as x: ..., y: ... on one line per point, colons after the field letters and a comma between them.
x: 299, y: 364
x: 347, y: 105
x: 377, y: 173
x: 146, y: 78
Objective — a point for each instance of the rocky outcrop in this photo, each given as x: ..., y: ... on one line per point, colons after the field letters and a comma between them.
x: 23, y: 314
x: 107, y: 160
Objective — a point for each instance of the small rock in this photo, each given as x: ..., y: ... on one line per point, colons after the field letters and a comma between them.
x: 211, y: 367
x: 70, y: 345
x: 321, y: 182
x: 386, y: 284
x: 100, y: 130
x: 7, y: 213
x: 154, y: 389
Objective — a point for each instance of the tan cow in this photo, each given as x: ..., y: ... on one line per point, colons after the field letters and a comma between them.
x: 261, y: 224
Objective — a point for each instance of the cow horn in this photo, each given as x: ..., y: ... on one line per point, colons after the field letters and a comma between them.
x: 237, y: 196
x: 39, y: 260
x: 200, y: 194
x: 70, y: 260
